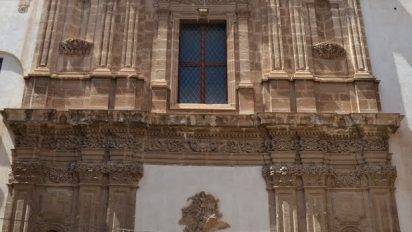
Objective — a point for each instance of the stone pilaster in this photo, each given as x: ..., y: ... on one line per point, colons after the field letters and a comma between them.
x: 356, y: 40
x: 300, y: 46
x: 130, y: 37
x: 159, y: 62
x: 46, y: 36
x: 246, y: 88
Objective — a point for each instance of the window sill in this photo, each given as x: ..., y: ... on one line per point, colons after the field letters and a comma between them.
x: 202, y: 107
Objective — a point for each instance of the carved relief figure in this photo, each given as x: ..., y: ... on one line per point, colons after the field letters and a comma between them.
x: 202, y: 215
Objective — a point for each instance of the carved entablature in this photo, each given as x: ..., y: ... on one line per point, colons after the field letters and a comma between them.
x: 202, y: 215
x: 254, y: 137
x: 75, y: 47
x: 42, y: 172
x: 328, y: 51
x: 327, y: 176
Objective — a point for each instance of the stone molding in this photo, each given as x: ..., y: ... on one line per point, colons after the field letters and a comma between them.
x: 331, y: 177
x: 41, y: 172
x: 202, y: 215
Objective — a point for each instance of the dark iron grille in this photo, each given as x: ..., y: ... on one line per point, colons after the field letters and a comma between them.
x: 202, y: 64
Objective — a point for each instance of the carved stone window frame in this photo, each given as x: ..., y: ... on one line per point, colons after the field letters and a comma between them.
x: 219, y: 11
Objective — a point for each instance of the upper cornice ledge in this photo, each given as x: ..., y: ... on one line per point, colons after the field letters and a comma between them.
x: 85, y: 117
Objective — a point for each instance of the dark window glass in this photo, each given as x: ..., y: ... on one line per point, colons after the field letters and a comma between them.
x: 202, y: 63
x: 1, y: 63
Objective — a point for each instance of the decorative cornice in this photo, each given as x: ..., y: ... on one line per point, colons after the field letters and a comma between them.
x: 202, y: 214
x: 75, y: 47
x: 155, y: 133
x: 329, y: 51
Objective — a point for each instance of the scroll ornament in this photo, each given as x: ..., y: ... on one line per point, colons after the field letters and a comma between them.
x: 75, y: 47
x: 328, y: 51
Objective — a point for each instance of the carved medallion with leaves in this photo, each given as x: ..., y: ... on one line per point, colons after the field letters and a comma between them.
x: 202, y: 215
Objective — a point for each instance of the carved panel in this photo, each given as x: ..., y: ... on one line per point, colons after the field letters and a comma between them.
x: 202, y: 215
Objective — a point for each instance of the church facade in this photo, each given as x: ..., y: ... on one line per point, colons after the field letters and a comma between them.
x: 191, y: 115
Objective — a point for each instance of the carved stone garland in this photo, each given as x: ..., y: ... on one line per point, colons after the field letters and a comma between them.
x: 202, y: 215
x: 328, y: 51
x: 75, y: 47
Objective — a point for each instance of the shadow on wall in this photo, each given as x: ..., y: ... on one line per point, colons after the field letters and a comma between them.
x: 388, y: 24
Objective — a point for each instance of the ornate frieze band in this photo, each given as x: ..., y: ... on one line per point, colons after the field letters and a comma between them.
x: 327, y: 176
x: 73, y: 173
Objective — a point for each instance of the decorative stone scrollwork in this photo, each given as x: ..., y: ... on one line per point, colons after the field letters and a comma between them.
x: 42, y: 172
x: 202, y: 215
x: 328, y: 51
x: 372, y: 175
x: 279, y: 175
x: 75, y: 47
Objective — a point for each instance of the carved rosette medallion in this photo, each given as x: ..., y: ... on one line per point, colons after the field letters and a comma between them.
x: 328, y: 51
x: 75, y: 47
x: 202, y: 215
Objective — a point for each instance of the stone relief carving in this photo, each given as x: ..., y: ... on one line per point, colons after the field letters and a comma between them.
x: 75, y: 47
x: 202, y: 215
x: 43, y: 172
x: 328, y: 51
x: 23, y: 6
x: 372, y: 175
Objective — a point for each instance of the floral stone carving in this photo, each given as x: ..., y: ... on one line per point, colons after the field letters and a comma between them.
x: 202, y: 215
x: 75, y: 47
x: 329, y: 51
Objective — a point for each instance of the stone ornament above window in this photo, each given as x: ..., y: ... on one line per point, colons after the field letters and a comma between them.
x: 328, y: 51
x: 75, y: 47
x: 202, y: 215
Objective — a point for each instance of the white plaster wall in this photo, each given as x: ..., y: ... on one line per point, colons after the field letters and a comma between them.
x: 18, y: 33
x: 164, y: 190
x: 388, y: 26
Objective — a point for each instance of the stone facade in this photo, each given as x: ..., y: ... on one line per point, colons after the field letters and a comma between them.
x: 101, y: 103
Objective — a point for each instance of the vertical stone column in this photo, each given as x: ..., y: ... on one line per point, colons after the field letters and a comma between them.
x: 103, y: 57
x: 314, y: 182
x: 276, y: 42
x: 159, y: 62
x: 123, y: 184
x: 46, y: 36
x: 300, y: 46
x: 129, y: 51
x: 92, y: 196
x: 246, y: 91
x: 20, y: 206
x: 281, y: 184
x: 357, y: 42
